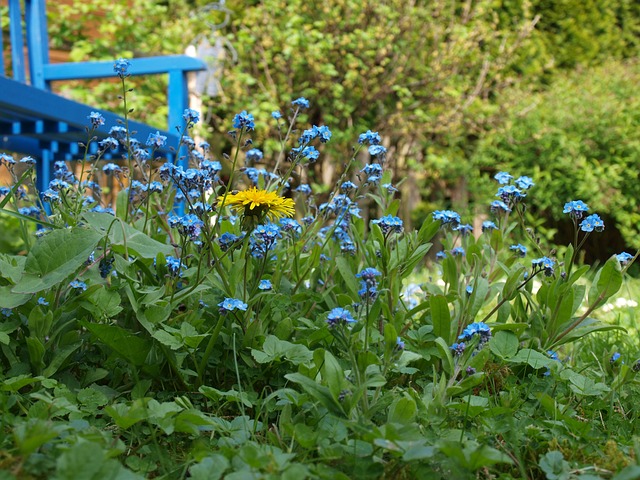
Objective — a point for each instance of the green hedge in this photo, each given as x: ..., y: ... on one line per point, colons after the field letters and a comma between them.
x: 580, y: 140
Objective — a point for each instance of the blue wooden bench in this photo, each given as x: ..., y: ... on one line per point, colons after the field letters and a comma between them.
x: 35, y: 121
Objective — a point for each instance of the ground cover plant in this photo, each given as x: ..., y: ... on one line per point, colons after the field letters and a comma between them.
x: 220, y: 321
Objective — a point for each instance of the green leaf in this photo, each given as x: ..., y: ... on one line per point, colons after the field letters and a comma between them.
x: 230, y: 395
x: 129, y: 346
x: 445, y: 355
x: 88, y: 461
x: 510, y: 286
x: 12, y: 267
x: 8, y: 299
x: 14, y: 384
x: 347, y: 275
x: 588, y: 325
x: 583, y: 385
x: 209, y: 468
x: 316, y: 391
x: 273, y: 349
x: 333, y: 374
x: 403, y: 410
x: 479, y: 296
x: 55, y: 257
x: 122, y: 203
x: 125, y: 238
x: 59, y: 357
x: 428, y: 230
x: 504, y: 344
x: 126, y: 416
x: 441, y: 317
x: 607, y: 282
x: 555, y: 466
x: 632, y: 472
x: 533, y: 358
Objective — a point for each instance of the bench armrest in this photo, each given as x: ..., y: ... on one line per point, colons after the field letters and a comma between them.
x: 139, y: 66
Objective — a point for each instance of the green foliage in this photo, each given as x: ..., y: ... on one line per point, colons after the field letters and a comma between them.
x: 579, y: 140
x: 219, y: 339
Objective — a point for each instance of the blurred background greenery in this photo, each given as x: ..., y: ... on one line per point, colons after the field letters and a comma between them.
x: 458, y: 90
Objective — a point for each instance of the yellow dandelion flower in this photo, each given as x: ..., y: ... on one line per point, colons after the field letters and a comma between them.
x: 255, y: 202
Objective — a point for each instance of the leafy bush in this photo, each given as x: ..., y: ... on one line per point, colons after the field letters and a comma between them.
x: 198, y: 330
x: 579, y: 139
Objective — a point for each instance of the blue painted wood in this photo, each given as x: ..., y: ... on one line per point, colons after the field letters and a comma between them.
x: 36, y: 122
x: 17, y: 42
x: 139, y: 66
x: 37, y: 41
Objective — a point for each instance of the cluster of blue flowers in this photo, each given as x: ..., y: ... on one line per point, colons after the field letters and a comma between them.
x: 263, y: 239
x: 78, y: 285
x: 188, y: 225
x: 510, y: 194
x: 519, y: 249
x: 174, y: 266
x: 480, y: 329
x: 577, y: 210
x: 447, y: 217
x: 624, y: 258
x: 389, y: 224
x: 231, y: 305
x: 458, y: 348
x: 546, y: 264
x: 244, y: 121
x: 339, y: 316
x: 368, y: 283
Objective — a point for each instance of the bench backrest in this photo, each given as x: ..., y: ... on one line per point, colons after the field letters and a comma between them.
x: 27, y: 27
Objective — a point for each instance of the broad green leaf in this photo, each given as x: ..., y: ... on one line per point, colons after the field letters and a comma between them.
x: 129, y: 346
x: 274, y: 349
x: 402, y: 410
x: 88, y: 461
x: 7, y: 327
x: 13, y: 384
x: 445, y: 355
x: 8, y: 299
x: 588, y: 325
x: 209, y: 468
x: 230, y: 395
x: 333, y: 374
x: 510, y: 286
x: 471, y: 405
x: 127, y: 415
x: 55, y: 257
x: 583, y: 385
x: 123, y: 237
x: 479, y: 296
x: 504, y: 344
x: 428, y: 230
x: 12, y: 267
x: 555, y: 466
x: 30, y: 436
x: 122, y: 203
x: 347, y: 275
x: 101, y: 302
x: 317, y: 392
x: 441, y: 317
x: 533, y: 358
x: 59, y: 357
x: 607, y: 282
